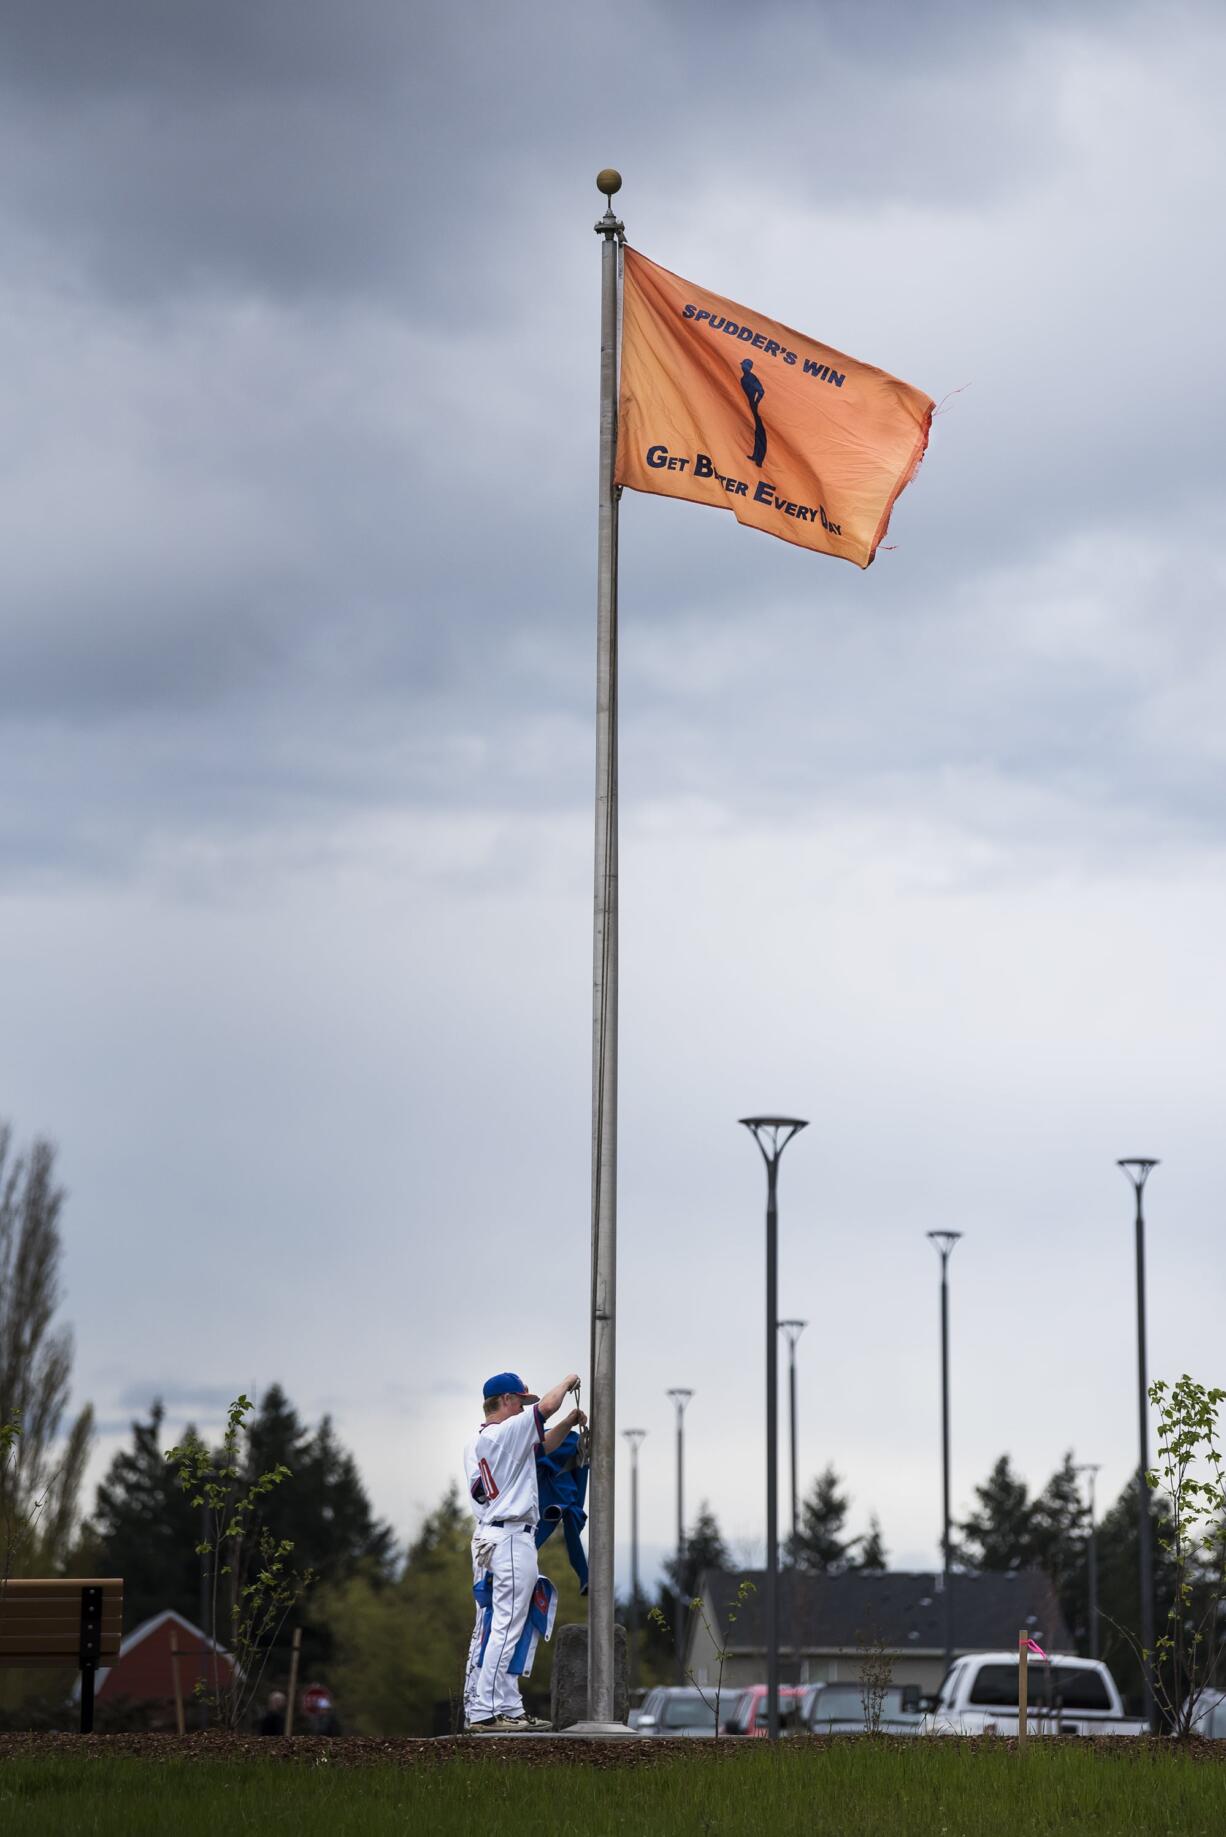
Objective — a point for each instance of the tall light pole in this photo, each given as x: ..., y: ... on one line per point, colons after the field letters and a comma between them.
x: 1091, y: 1467
x: 634, y: 1438
x: 680, y: 1399
x: 793, y: 1329
x: 1138, y: 1169
x: 945, y: 1242
x: 772, y: 1134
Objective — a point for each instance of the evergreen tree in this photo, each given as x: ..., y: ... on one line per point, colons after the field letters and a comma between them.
x: 819, y: 1545
x: 1059, y: 1518
x: 870, y: 1550
x: 40, y: 1482
x: 1119, y: 1586
x: 999, y: 1536
x: 145, y: 1529
x: 704, y: 1549
x: 323, y: 1508
x: 441, y: 1528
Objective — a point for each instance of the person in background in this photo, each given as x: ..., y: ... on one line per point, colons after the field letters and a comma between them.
x: 272, y: 1722
x: 319, y: 1715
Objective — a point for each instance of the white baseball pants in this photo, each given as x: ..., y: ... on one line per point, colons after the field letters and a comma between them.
x: 489, y: 1689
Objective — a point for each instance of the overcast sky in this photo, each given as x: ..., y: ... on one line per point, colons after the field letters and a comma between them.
x: 299, y: 306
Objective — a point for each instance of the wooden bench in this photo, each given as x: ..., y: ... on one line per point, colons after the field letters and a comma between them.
x: 66, y: 1620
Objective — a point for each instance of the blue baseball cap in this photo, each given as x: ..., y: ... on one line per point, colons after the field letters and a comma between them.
x: 506, y: 1384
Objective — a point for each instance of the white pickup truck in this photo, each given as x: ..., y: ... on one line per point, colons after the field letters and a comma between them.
x: 1064, y: 1696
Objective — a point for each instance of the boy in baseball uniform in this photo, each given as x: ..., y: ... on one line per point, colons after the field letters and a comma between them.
x: 500, y: 1475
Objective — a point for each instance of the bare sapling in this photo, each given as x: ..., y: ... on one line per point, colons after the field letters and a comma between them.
x: 875, y: 1674
x: 261, y: 1585
x: 745, y: 1588
x: 1190, y: 1472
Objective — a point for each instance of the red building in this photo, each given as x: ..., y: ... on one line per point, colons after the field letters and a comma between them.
x: 144, y: 1671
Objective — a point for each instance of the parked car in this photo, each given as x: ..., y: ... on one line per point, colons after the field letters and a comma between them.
x: 1065, y: 1696
x: 840, y: 1709
x: 749, y: 1715
x: 672, y: 1709
x: 1209, y: 1715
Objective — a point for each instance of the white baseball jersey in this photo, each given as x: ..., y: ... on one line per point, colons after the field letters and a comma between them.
x: 500, y: 1468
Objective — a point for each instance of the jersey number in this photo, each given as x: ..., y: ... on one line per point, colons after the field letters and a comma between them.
x: 491, y: 1491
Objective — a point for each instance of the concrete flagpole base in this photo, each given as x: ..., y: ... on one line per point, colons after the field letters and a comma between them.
x: 568, y: 1697
x: 599, y: 1731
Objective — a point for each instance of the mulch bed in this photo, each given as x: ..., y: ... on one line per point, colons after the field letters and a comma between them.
x: 369, y: 1751
x: 352, y: 1750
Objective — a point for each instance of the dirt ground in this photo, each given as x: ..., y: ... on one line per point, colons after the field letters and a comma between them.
x: 547, y: 1751
x: 353, y: 1750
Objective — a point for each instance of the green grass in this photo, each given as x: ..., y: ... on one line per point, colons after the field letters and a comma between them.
x: 854, y: 1789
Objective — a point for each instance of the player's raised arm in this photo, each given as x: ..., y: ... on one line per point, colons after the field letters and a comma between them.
x: 554, y: 1437
x: 551, y: 1402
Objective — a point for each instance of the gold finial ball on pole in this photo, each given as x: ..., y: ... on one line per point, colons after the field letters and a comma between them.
x: 608, y: 181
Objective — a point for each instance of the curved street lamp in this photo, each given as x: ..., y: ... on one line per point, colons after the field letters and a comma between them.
x: 680, y: 1399
x: 772, y: 1134
x: 634, y: 1438
x: 1138, y: 1169
x: 793, y: 1330
x: 945, y: 1243
x: 1092, y: 1468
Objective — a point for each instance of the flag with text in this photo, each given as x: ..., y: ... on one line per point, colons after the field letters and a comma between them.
x: 724, y: 406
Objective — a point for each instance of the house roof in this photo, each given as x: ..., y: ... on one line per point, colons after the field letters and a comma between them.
x: 141, y: 1633
x: 902, y: 1608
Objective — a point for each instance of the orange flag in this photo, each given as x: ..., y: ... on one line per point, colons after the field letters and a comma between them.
x: 723, y: 406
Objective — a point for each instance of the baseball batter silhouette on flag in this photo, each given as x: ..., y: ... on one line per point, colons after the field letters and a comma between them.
x: 755, y: 389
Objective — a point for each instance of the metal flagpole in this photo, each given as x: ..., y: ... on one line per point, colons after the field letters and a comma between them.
x: 600, y: 1652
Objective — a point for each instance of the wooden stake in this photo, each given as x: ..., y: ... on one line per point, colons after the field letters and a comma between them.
x: 1023, y: 1658
x: 180, y: 1723
x: 295, y: 1649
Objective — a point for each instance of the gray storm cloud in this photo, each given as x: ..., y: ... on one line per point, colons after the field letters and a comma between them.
x: 298, y: 528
